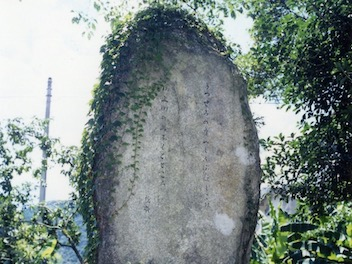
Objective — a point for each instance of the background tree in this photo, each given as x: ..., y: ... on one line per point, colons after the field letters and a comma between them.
x: 212, y: 12
x: 30, y: 234
x: 302, y: 56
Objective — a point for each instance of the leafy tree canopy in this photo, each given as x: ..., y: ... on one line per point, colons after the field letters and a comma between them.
x: 302, y: 55
x: 30, y: 234
x: 211, y: 11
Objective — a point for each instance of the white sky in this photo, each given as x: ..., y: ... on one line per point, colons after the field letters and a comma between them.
x: 39, y: 41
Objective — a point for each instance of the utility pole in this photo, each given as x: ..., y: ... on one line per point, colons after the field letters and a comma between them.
x: 42, y: 190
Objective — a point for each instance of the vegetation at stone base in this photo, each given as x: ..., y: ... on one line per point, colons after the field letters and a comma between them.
x: 302, y: 55
x: 31, y: 235
x: 304, y: 237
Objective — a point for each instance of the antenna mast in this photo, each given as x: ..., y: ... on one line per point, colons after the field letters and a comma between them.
x: 42, y: 190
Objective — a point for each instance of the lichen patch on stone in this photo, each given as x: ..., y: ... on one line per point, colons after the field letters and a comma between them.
x: 244, y: 156
x: 224, y: 224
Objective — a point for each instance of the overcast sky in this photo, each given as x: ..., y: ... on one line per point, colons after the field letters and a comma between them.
x: 39, y: 41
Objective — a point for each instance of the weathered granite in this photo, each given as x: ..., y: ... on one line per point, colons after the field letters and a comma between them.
x: 194, y: 197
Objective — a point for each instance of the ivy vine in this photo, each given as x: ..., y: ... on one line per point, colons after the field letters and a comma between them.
x: 122, y: 97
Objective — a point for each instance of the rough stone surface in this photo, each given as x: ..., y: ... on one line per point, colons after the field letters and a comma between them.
x: 194, y: 197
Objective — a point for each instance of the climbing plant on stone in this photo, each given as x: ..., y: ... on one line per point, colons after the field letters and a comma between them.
x: 212, y: 12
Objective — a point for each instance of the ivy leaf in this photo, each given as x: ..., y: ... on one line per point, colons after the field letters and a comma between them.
x: 349, y: 229
x: 96, y: 6
x: 48, y: 251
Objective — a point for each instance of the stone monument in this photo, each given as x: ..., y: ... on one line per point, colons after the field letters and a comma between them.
x: 178, y: 180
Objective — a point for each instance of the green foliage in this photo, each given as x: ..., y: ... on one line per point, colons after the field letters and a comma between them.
x: 302, y: 55
x: 305, y: 237
x: 212, y: 12
x: 29, y: 238
x: 69, y: 256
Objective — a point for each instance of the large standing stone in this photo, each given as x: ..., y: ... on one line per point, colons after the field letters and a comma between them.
x: 180, y: 184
